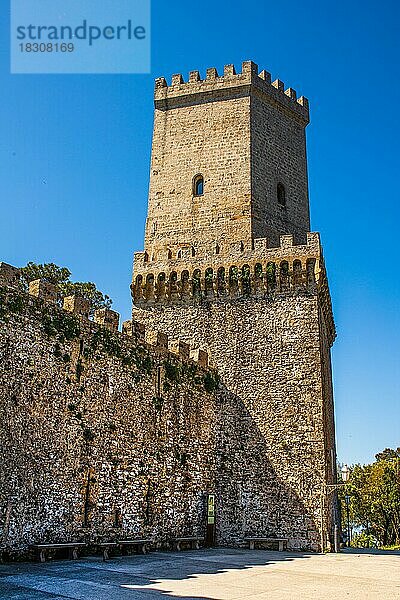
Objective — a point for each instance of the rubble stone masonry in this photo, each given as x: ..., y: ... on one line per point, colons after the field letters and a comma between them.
x: 107, y: 435
x: 231, y: 266
x: 220, y: 384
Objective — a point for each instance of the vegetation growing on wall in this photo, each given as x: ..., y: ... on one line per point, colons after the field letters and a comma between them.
x: 61, y: 325
x: 211, y: 382
x: 11, y: 302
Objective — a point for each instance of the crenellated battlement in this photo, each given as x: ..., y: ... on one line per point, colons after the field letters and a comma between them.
x: 9, y: 275
x: 259, y: 272
x: 230, y: 84
x: 180, y: 260
x: 47, y: 293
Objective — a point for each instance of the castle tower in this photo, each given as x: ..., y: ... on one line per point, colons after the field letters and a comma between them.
x: 229, y: 265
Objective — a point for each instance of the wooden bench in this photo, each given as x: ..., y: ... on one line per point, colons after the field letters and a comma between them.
x: 282, y: 542
x: 44, y: 550
x: 140, y: 544
x: 192, y: 542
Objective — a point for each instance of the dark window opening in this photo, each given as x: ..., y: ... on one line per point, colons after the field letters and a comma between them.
x: 117, y: 518
x: 281, y: 194
x: 198, y: 185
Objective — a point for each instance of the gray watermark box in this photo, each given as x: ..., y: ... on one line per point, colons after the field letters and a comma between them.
x: 80, y: 36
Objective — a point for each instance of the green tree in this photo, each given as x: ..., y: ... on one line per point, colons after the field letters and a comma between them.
x: 48, y: 271
x: 374, y: 499
x: 60, y: 276
x: 388, y: 454
x: 87, y: 290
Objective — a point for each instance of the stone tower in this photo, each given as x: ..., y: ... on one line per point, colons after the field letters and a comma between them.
x: 230, y: 265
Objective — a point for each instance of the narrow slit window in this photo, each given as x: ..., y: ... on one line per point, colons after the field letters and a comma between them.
x: 198, y: 185
x: 281, y: 194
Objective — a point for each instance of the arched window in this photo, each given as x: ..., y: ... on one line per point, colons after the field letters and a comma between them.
x: 217, y: 249
x: 281, y: 194
x: 198, y: 185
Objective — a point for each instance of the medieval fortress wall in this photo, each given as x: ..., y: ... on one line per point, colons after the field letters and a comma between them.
x: 221, y: 383
x: 101, y: 432
x: 268, y: 334
x: 108, y: 434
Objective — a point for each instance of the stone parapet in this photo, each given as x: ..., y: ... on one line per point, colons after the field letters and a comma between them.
x: 260, y: 271
x: 229, y: 85
x: 9, y: 275
x: 43, y: 289
x: 108, y: 318
x: 259, y: 250
x: 157, y: 341
x: 77, y: 305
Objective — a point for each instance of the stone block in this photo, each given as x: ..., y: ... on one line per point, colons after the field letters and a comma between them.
x: 108, y: 318
x: 180, y: 348
x: 157, y: 339
x: 77, y: 305
x: 199, y: 356
x: 9, y: 275
x: 40, y: 288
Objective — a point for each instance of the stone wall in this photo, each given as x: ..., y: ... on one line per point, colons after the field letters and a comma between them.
x: 108, y: 435
x: 102, y: 435
x: 268, y: 354
x: 244, y: 135
x: 278, y: 156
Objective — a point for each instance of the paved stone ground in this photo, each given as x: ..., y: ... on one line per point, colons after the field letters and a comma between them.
x: 217, y: 574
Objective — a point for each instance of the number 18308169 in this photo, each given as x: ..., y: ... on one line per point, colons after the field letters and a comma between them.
x: 46, y: 47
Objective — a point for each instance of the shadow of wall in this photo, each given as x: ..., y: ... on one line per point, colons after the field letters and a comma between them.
x: 272, y: 454
x: 104, y: 437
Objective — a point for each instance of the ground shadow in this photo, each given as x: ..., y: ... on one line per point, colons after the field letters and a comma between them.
x: 129, y: 577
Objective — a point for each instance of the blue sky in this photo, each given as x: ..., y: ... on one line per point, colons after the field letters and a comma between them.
x: 74, y: 164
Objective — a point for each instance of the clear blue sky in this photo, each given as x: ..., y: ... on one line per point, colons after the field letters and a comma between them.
x: 74, y: 164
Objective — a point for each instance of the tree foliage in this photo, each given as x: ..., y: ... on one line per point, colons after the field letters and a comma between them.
x: 48, y: 271
x: 388, y: 454
x: 374, y: 499
x: 87, y: 290
x: 60, y: 276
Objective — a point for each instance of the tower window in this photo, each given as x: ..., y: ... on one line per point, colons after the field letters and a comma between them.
x: 281, y: 194
x: 198, y: 185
